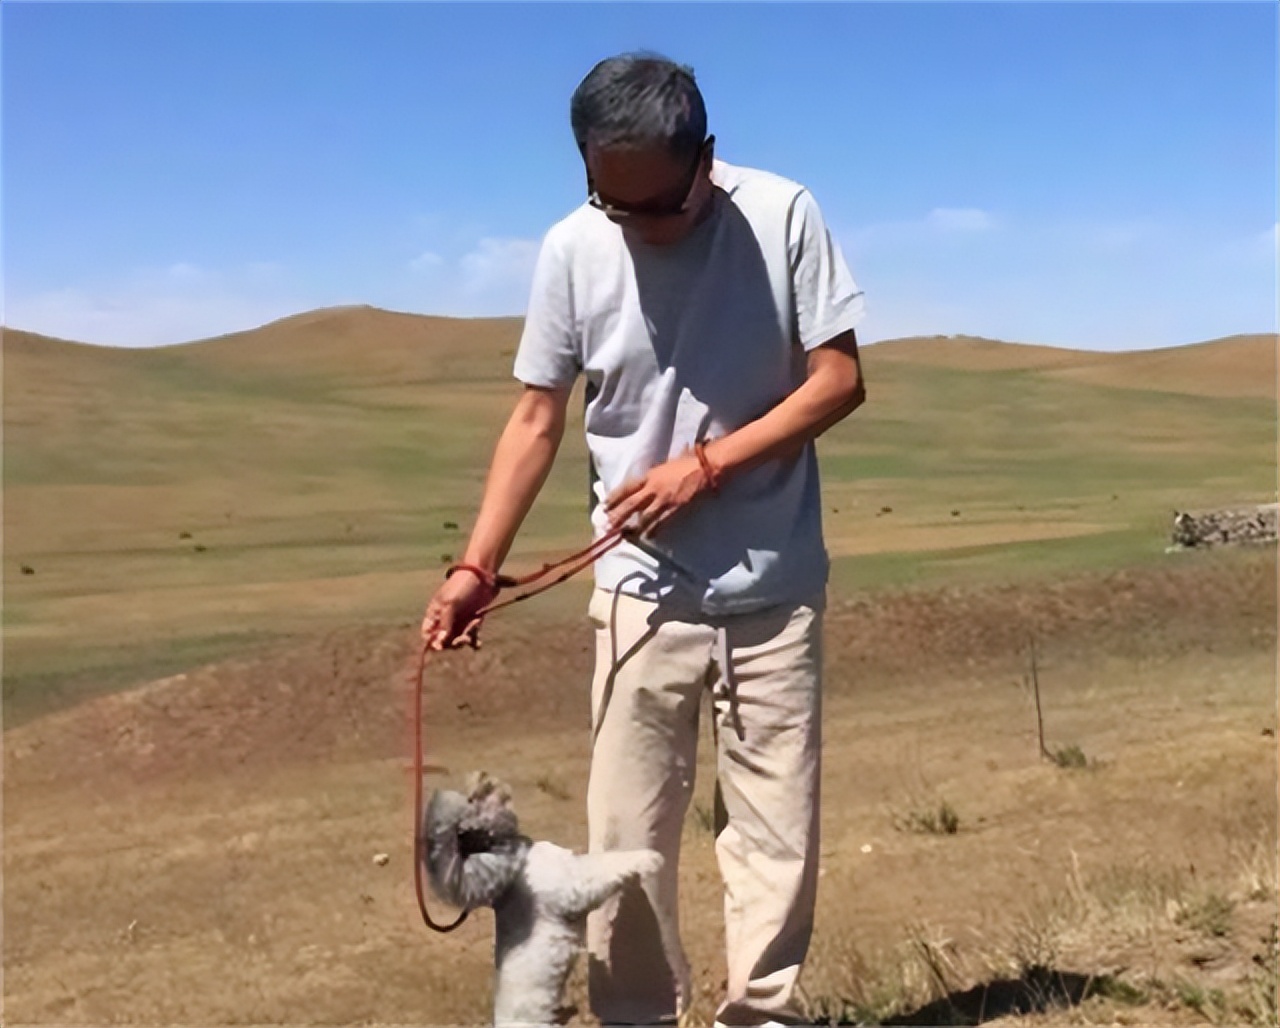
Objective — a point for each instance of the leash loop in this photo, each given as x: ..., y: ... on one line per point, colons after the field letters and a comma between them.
x: 419, y: 830
x: 568, y: 566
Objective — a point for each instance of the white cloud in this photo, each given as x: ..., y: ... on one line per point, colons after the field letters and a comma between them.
x: 155, y: 306
x: 1251, y: 252
x: 1096, y: 284
x: 497, y: 265
x: 960, y: 219
x: 954, y: 226
x: 491, y: 278
x: 183, y: 272
x: 1265, y: 244
x: 426, y: 262
x: 1106, y: 237
x: 184, y: 301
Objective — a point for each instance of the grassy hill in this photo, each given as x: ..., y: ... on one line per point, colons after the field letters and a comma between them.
x: 175, y: 504
x: 248, y: 526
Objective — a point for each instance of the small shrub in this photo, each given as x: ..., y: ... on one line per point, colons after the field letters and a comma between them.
x: 552, y: 787
x: 1034, y: 942
x: 1209, y: 913
x: 1119, y: 991
x: 704, y: 817
x: 941, y: 819
x: 1069, y: 757
x: 1210, y: 1004
x: 837, y: 1010
x: 1257, y: 881
x: 1260, y: 1000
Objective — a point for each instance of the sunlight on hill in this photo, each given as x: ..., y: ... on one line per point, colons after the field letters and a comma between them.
x: 177, y: 500
x: 364, y: 344
x: 1235, y: 366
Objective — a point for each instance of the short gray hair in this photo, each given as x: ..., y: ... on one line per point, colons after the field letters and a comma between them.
x: 636, y: 100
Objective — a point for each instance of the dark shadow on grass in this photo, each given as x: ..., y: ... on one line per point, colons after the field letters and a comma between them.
x: 1039, y: 989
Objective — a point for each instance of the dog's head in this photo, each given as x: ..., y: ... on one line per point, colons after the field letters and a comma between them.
x: 472, y: 844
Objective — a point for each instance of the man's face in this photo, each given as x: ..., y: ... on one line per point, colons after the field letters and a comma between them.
x: 652, y: 195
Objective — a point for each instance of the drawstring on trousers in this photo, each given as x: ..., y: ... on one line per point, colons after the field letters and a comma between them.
x: 729, y: 680
x: 726, y: 689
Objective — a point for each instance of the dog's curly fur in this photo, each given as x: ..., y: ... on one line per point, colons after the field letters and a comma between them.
x: 540, y: 893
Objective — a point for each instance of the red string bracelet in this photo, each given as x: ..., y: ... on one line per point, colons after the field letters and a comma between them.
x: 708, y: 469
x: 488, y: 578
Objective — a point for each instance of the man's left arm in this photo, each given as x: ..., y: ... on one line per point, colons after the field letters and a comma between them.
x: 832, y: 390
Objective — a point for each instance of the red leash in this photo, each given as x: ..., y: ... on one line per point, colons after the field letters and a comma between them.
x: 571, y: 565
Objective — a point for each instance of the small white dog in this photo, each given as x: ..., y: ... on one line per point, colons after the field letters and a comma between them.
x: 540, y: 893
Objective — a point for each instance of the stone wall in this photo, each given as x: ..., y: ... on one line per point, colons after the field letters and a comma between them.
x: 1225, y: 527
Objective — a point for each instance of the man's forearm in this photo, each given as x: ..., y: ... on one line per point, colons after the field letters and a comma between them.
x: 521, y: 462
x: 833, y: 390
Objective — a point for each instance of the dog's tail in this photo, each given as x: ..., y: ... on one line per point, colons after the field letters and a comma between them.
x: 472, y: 849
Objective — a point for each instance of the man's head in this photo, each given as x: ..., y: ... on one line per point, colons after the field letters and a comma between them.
x: 641, y: 126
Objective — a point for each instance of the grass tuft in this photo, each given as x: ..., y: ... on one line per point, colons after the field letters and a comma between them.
x: 938, y: 818
x: 704, y: 817
x: 1209, y: 913
x: 1209, y: 1003
x: 551, y: 786
x: 1071, y: 757
x: 1262, y: 988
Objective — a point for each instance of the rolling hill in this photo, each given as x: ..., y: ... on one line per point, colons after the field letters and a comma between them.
x: 216, y: 554
x: 178, y: 501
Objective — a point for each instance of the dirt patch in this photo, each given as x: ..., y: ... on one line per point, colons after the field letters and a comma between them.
x: 1173, y: 608
x: 867, y: 538
x: 345, y: 695
x: 201, y: 850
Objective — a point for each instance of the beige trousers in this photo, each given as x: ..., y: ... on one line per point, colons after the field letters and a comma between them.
x: 764, y: 673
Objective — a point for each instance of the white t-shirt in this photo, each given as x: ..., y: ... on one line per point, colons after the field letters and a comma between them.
x: 689, y: 342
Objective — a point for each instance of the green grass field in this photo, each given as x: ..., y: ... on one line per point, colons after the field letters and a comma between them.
x: 177, y: 505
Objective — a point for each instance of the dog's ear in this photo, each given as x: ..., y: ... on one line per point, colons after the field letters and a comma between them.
x: 445, y: 809
x: 482, y: 788
x: 472, y: 854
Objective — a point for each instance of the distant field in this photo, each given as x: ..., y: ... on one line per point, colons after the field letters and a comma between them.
x: 176, y: 505
x: 216, y: 554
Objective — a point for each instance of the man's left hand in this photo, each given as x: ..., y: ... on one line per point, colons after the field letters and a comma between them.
x: 645, y: 504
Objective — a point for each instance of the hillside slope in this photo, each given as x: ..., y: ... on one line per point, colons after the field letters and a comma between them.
x: 315, y: 471
x: 1243, y: 365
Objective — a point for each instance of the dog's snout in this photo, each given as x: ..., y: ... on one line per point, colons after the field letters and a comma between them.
x: 474, y: 840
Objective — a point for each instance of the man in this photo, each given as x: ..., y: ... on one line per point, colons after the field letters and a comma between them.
x: 713, y: 318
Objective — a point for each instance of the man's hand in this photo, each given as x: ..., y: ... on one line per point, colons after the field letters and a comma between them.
x: 645, y: 504
x: 520, y: 465
x: 450, y: 621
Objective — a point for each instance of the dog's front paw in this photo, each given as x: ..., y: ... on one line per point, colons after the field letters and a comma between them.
x: 648, y: 863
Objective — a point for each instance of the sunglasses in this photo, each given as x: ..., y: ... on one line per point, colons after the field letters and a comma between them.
x: 654, y: 209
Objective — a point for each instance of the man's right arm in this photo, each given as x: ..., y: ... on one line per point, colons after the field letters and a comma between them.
x: 521, y: 462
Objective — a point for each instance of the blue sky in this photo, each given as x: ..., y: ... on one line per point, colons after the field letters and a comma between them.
x: 1091, y: 175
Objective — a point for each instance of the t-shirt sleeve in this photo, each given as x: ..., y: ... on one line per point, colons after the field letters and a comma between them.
x: 827, y: 299
x: 548, y: 354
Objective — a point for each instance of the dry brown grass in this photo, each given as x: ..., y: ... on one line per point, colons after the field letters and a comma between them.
x: 1234, y: 366
x: 199, y: 849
